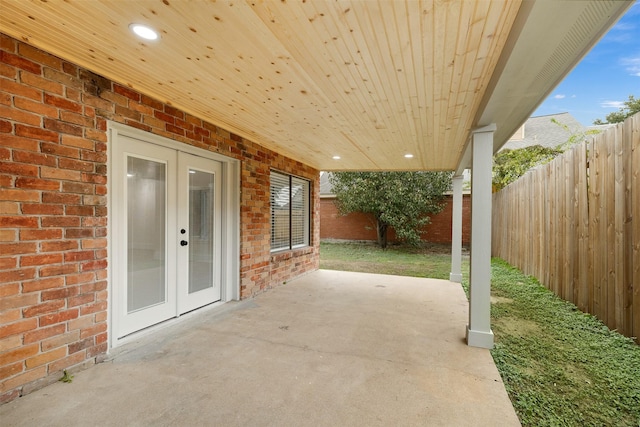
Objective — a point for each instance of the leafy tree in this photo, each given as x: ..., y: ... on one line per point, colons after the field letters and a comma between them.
x: 402, y: 200
x: 631, y: 107
x: 509, y: 165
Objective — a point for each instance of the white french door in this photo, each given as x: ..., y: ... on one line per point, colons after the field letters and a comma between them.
x: 166, y: 233
x: 199, y: 200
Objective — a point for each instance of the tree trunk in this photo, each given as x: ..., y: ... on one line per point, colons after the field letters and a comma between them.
x: 382, y: 234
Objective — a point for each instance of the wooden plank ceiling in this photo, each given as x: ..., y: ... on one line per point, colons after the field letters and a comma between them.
x: 369, y: 81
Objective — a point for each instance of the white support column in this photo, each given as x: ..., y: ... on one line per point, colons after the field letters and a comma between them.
x: 479, y: 332
x: 456, y: 231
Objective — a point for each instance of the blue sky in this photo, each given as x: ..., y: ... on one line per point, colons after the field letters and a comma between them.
x: 604, y: 78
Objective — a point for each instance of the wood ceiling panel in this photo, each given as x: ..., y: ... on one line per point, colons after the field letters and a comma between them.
x: 366, y: 80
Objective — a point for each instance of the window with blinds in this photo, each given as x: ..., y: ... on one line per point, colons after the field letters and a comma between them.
x: 289, y: 212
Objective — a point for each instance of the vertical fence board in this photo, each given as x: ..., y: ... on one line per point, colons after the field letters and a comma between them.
x: 617, y: 291
x: 602, y: 254
x: 599, y: 252
x: 569, y: 225
x: 551, y: 203
x: 547, y: 224
x: 539, y: 197
x: 609, y: 196
x: 582, y: 299
x: 635, y: 226
x: 591, y: 270
x: 574, y: 216
x: 531, y: 226
x: 627, y: 231
x: 560, y: 226
x: 563, y: 225
x: 559, y: 222
x: 528, y: 224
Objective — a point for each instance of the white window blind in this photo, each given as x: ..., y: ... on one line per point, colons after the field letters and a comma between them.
x: 289, y: 212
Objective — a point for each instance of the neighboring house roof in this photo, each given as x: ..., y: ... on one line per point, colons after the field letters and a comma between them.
x: 326, y: 189
x: 548, y: 131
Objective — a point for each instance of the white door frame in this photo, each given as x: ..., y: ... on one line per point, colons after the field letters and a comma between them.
x: 230, y: 236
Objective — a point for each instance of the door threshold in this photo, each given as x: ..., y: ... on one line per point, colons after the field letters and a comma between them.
x: 149, y: 330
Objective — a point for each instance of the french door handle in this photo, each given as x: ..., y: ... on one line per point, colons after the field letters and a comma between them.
x: 183, y: 243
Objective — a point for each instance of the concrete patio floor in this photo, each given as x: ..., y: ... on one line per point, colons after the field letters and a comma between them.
x: 328, y: 349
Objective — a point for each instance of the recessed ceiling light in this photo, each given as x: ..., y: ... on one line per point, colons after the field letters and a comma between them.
x: 144, y: 31
x: 408, y: 156
x: 336, y: 157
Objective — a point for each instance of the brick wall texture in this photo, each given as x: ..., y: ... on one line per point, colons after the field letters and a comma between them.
x: 53, y: 209
x: 359, y: 226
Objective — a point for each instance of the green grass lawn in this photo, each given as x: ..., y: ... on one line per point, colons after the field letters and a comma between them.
x: 561, y: 367
x: 397, y: 260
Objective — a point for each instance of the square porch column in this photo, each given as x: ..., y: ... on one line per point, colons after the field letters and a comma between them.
x: 456, y: 231
x: 479, y: 332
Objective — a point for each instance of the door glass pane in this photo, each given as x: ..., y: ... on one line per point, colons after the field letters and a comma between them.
x: 200, y: 230
x: 146, y: 225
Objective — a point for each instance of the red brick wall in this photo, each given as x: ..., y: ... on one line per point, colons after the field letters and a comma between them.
x: 358, y: 226
x: 53, y: 209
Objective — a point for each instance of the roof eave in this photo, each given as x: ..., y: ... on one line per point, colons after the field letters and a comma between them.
x: 547, y: 41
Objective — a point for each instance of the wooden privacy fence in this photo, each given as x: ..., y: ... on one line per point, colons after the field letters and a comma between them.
x: 574, y: 224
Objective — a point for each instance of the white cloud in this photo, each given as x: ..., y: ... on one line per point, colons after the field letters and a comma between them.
x: 624, y: 31
x: 559, y: 96
x: 632, y: 65
x: 612, y: 104
x: 624, y: 26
